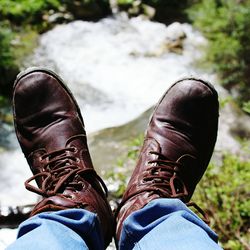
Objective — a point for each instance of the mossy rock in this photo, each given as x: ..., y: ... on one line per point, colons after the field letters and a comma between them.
x: 108, y: 145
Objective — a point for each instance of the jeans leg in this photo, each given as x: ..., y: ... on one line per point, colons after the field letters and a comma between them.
x: 166, y: 224
x: 66, y: 229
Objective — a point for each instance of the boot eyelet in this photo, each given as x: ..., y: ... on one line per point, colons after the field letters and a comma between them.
x: 149, y: 163
x: 75, y: 150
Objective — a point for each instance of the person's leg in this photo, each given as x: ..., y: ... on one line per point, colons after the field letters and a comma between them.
x: 51, y: 133
x: 166, y: 224
x: 178, y: 145
x: 65, y: 229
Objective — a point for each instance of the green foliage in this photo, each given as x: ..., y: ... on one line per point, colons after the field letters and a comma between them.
x: 119, y: 176
x: 118, y: 179
x: 224, y: 101
x: 25, y: 43
x: 224, y: 193
x: 38, y: 12
x: 14, y: 46
x: 16, y: 35
x: 125, y: 2
x: 21, y: 22
x: 26, y: 11
x: 8, y: 66
x: 134, y: 146
x: 226, y: 25
x: 5, y: 111
x: 3, y: 101
x: 6, y: 37
x: 246, y: 107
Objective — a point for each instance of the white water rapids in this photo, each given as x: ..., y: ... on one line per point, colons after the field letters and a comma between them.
x: 116, y: 68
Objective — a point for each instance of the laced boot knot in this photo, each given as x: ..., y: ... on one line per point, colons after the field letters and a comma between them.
x: 61, y: 169
x: 162, y: 177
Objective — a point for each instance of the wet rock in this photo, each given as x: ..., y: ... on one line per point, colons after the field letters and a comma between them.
x: 108, y: 145
x: 175, y: 37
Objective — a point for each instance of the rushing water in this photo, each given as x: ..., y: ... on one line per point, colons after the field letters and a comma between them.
x: 116, y: 68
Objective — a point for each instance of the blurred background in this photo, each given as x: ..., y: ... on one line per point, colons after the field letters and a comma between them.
x: 118, y: 57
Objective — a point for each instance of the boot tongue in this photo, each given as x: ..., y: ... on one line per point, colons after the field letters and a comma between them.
x: 180, y: 152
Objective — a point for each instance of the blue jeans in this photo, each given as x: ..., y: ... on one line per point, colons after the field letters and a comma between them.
x: 161, y: 224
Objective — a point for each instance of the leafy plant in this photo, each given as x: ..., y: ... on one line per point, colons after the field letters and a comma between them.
x: 226, y: 25
x: 224, y: 193
x: 6, y: 37
x: 246, y: 107
x: 26, y: 11
x: 8, y: 67
x: 118, y: 178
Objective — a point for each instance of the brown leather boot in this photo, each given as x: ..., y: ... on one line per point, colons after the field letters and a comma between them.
x: 50, y: 130
x: 177, y: 148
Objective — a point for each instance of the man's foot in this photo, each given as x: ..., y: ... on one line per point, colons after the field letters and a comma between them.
x: 178, y: 145
x: 50, y: 130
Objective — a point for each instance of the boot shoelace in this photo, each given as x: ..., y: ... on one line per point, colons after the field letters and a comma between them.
x: 163, y: 175
x: 61, y: 170
x: 162, y: 178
